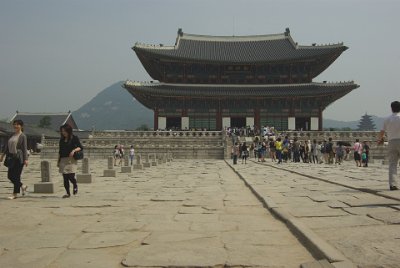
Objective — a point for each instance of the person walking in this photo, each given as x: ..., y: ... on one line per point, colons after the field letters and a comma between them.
x: 132, y: 154
x: 69, y: 144
x: 391, y: 126
x: 329, y: 151
x: 357, y: 152
x: 365, y: 154
x: 244, y: 152
x: 16, y: 153
x: 339, y: 153
x: 278, y: 149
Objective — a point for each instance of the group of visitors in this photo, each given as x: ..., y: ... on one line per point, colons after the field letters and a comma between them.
x: 119, y: 154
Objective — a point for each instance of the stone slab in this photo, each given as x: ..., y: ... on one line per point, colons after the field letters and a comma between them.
x: 109, y: 173
x: 386, y: 217
x: 45, y: 187
x: 84, y: 178
x: 107, y: 239
x: 317, y: 264
x: 203, y: 253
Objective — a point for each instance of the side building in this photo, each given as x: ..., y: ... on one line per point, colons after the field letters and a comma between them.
x: 214, y: 82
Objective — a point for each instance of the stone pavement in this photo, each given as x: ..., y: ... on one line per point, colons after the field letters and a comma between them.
x: 345, y: 211
x: 191, y: 213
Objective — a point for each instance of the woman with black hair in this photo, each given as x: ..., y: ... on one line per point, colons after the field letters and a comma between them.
x: 16, y: 153
x: 68, y: 146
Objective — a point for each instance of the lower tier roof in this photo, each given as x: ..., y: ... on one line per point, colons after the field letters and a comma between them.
x: 223, y: 90
x: 155, y: 95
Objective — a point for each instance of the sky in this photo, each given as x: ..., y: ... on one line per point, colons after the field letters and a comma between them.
x: 55, y: 56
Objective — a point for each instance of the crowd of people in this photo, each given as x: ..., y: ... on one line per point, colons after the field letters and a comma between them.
x: 282, y: 149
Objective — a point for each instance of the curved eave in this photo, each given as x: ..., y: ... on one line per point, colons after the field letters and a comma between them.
x: 160, y: 56
x: 240, y: 91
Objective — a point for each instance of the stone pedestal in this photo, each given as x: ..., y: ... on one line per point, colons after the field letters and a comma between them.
x: 164, y: 158
x: 46, y: 185
x: 126, y: 169
x: 85, y: 177
x: 138, y: 164
x: 154, y: 160
x: 110, y: 172
x: 146, y: 163
x: 159, y: 159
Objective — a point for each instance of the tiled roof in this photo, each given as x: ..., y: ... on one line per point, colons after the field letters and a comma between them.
x: 33, y: 119
x: 222, y: 90
x: 238, y: 49
x: 7, y: 129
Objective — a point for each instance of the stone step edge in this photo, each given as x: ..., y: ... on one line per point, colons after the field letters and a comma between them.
x: 317, y: 246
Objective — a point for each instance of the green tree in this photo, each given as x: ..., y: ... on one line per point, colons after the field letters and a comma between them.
x: 45, y: 122
x: 143, y: 127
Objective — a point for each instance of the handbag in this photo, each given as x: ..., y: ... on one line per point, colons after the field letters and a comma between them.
x: 78, y: 155
x: 9, y: 161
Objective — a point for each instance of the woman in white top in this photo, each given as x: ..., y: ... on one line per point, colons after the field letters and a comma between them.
x: 132, y: 154
x: 16, y: 153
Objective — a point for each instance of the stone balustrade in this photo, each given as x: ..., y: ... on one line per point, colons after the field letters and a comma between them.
x: 192, y: 144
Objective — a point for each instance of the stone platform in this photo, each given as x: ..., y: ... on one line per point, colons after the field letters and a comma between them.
x: 201, y: 216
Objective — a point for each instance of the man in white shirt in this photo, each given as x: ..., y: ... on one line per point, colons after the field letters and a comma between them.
x: 391, y: 126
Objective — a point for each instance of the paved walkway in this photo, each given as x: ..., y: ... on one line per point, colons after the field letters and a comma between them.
x: 189, y: 213
x: 350, y: 208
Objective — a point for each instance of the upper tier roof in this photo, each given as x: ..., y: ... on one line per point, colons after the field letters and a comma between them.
x: 237, y: 49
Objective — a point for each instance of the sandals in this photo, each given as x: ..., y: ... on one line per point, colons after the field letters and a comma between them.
x: 12, y: 197
x: 66, y: 196
x: 75, y: 191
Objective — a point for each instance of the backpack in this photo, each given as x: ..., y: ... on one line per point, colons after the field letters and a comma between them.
x: 328, y: 147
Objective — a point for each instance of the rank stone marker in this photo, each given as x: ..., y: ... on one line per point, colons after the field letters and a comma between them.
x: 154, y: 160
x: 110, y: 172
x: 85, y: 177
x: 126, y: 168
x: 46, y: 185
x: 146, y: 163
x: 138, y: 164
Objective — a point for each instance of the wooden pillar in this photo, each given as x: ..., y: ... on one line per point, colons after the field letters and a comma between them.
x: 320, y: 126
x: 257, y: 119
x: 155, y: 118
x: 219, y: 116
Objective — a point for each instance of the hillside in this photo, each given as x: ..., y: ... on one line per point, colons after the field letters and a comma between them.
x: 113, y: 108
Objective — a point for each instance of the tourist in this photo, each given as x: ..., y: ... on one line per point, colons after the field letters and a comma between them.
x: 244, y: 152
x: 69, y: 144
x: 236, y: 152
x: 278, y: 149
x: 391, y: 126
x: 339, y: 153
x: 296, y: 150
x: 365, y: 154
x: 324, y: 153
x: 357, y: 152
x: 116, y: 154
x: 272, y: 149
x: 319, y: 152
x: 121, y: 154
x: 16, y: 153
x: 263, y: 150
x: 314, y: 152
x: 132, y: 154
x: 329, y: 151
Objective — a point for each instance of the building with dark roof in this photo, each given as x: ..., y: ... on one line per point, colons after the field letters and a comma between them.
x: 215, y: 82
x: 46, y: 120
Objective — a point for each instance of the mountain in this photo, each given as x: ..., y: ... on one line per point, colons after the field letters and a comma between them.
x: 113, y: 108
x: 330, y: 123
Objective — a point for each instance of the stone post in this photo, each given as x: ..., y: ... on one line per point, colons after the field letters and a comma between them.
x: 146, y: 163
x: 159, y: 159
x: 126, y: 168
x: 85, y: 177
x: 46, y: 185
x: 138, y: 164
x: 110, y: 172
x: 154, y: 160
x: 164, y: 158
